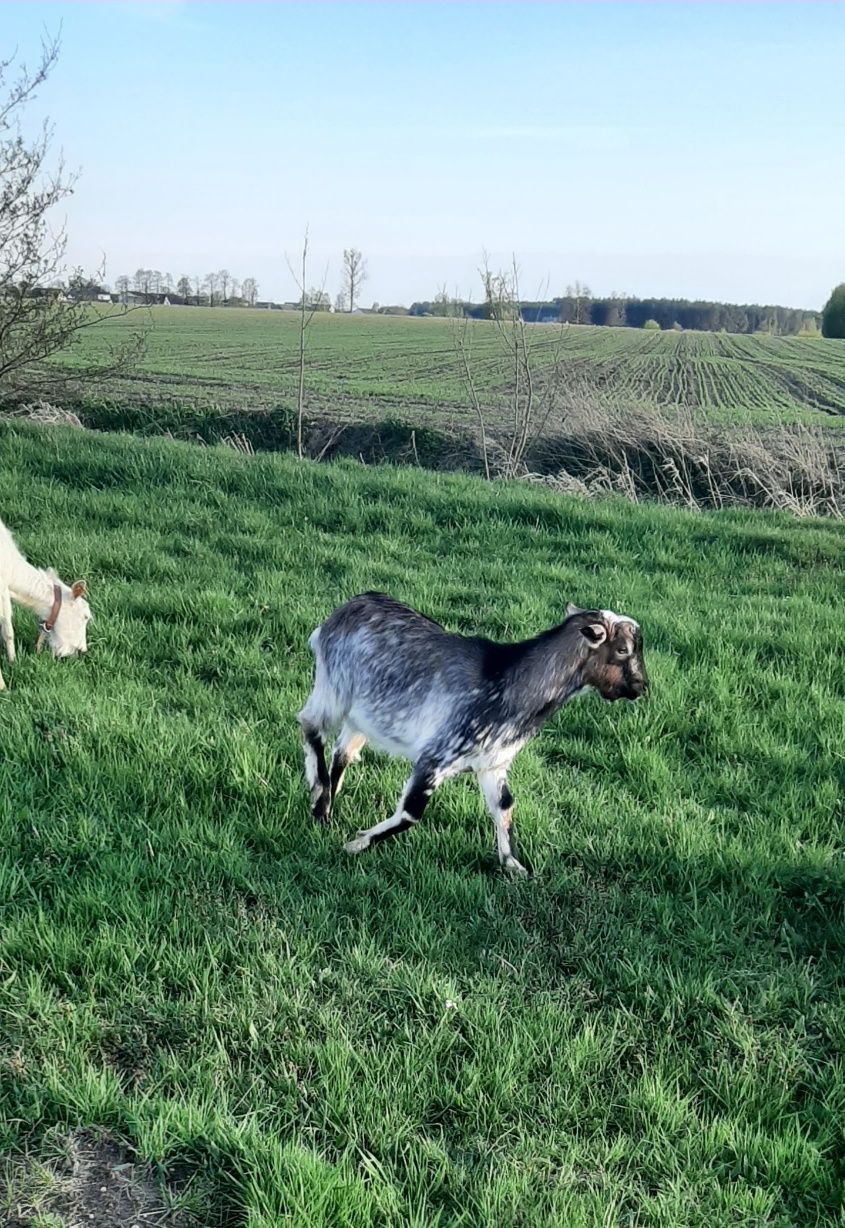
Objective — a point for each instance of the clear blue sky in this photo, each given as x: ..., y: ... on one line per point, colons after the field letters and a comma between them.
x: 670, y: 148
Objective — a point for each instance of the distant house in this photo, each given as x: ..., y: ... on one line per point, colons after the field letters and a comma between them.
x: 145, y: 298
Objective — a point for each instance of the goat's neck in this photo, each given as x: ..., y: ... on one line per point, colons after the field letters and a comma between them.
x: 31, y: 587
x: 550, y: 669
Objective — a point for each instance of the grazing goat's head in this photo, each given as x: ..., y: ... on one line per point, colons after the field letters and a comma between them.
x: 65, y: 629
x: 613, y: 653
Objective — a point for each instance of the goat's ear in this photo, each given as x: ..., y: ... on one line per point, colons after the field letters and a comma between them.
x: 572, y: 609
x: 78, y: 589
x: 594, y: 633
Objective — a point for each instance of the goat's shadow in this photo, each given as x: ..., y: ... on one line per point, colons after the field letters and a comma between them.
x: 451, y: 905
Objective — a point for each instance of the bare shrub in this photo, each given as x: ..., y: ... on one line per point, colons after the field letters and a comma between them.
x: 45, y: 414
x: 239, y: 443
x: 528, y: 399
x: 642, y: 453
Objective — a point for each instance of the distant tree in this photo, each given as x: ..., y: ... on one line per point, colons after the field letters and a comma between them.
x: 652, y: 325
x: 581, y: 298
x: 566, y: 312
x: 224, y: 278
x: 121, y: 285
x: 354, y: 275
x: 833, y: 314
x: 142, y: 280
x: 444, y: 304
x: 183, y: 287
x: 316, y: 299
x: 167, y: 283
x: 199, y: 286
x: 249, y: 290
x: 84, y: 289
x: 212, y: 280
x: 615, y: 310
x: 340, y: 301
x: 235, y: 290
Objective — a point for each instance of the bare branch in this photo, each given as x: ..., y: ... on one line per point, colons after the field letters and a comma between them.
x: 310, y: 302
x: 37, y: 318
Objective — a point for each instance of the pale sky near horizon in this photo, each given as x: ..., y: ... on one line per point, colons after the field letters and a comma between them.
x: 669, y: 149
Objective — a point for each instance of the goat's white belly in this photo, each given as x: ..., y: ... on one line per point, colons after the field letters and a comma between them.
x: 406, y: 736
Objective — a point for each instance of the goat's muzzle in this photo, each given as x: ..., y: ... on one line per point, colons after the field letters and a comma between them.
x: 635, y: 690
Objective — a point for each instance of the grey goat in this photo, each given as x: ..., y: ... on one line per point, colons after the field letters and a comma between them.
x: 388, y: 675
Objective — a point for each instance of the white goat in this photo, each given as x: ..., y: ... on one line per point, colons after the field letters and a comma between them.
x: 388, y: 675
x: 62, y: 611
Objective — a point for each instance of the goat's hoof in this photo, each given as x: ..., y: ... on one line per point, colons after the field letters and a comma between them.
x: 515, y: 868
x: 359, y: 845
x: 320, y: 805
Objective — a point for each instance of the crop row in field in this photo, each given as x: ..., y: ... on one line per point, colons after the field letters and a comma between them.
x: 410, y: 368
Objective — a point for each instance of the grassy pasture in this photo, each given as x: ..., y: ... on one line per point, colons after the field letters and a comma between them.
x: 648, y: 1032
x: 367, y: 367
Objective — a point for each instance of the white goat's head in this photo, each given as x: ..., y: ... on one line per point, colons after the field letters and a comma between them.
x: 65, y: 629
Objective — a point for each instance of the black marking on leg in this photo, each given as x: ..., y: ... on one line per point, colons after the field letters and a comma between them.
x: 321, y: 806
x: 339, y: 765
x: 403, y: 824
x: 505, y: 797
x: 416, y: 800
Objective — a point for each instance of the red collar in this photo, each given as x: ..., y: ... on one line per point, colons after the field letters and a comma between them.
x: 50, y: 621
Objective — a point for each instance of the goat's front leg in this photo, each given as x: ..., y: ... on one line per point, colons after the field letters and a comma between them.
x: 347, y: 749
x: 6, y: 626
x: 413, y: 801
x: 7, y: 629
x: 499, y: 799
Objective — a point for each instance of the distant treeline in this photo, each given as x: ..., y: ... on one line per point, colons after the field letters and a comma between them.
x: 666, y: 313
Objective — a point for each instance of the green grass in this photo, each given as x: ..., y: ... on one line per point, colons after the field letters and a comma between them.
x: 648, y: 1032
x: 371, y: 367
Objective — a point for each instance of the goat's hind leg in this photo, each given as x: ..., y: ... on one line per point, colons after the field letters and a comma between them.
x: 409, y: 810
x: 316, y: 775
